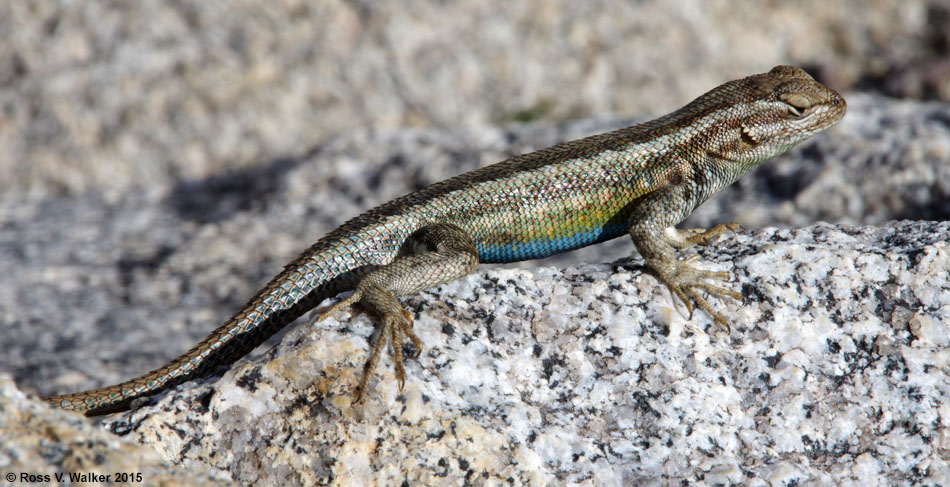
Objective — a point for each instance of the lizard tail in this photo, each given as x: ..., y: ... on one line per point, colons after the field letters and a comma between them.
x: 224, y: 345
x: 288, y: 296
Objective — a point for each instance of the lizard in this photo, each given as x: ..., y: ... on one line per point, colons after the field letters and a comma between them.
x: 641, y: 180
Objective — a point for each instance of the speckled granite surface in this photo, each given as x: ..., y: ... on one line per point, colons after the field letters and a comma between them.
x: 835, y: 373
x: 44, y: 446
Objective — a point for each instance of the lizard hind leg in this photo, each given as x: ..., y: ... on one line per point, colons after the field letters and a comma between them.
x: 433, y: 255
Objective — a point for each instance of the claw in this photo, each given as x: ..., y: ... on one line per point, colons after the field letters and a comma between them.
x: 713, y: 289
x: 395, y: 342
x: 709, y: 309
x: 680, y: 294
x: 407, y: 331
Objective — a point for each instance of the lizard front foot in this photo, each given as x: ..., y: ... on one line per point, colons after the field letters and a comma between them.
x: 686, y: 282
x: 657, y: 245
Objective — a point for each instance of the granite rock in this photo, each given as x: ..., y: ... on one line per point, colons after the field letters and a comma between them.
x: 835, y: 372
x: 44, y: 446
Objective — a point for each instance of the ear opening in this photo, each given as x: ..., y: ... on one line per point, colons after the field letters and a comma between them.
x: 747, y: 136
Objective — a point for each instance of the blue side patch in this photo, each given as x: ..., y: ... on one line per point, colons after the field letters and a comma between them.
x: 539, y: 249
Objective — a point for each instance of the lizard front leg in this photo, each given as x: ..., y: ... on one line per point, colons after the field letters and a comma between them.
x: 653, y: 233
x: 433, y: 255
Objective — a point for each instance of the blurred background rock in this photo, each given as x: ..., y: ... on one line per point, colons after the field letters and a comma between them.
x: 109, y: 96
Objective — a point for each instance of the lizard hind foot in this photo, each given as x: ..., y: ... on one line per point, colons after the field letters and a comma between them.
x: 396, y: 327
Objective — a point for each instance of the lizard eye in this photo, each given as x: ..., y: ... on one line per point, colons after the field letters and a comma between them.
x: 795, y: 103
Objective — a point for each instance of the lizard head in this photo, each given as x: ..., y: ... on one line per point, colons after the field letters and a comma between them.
x: 787, y: 106
x: 766, y: 114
